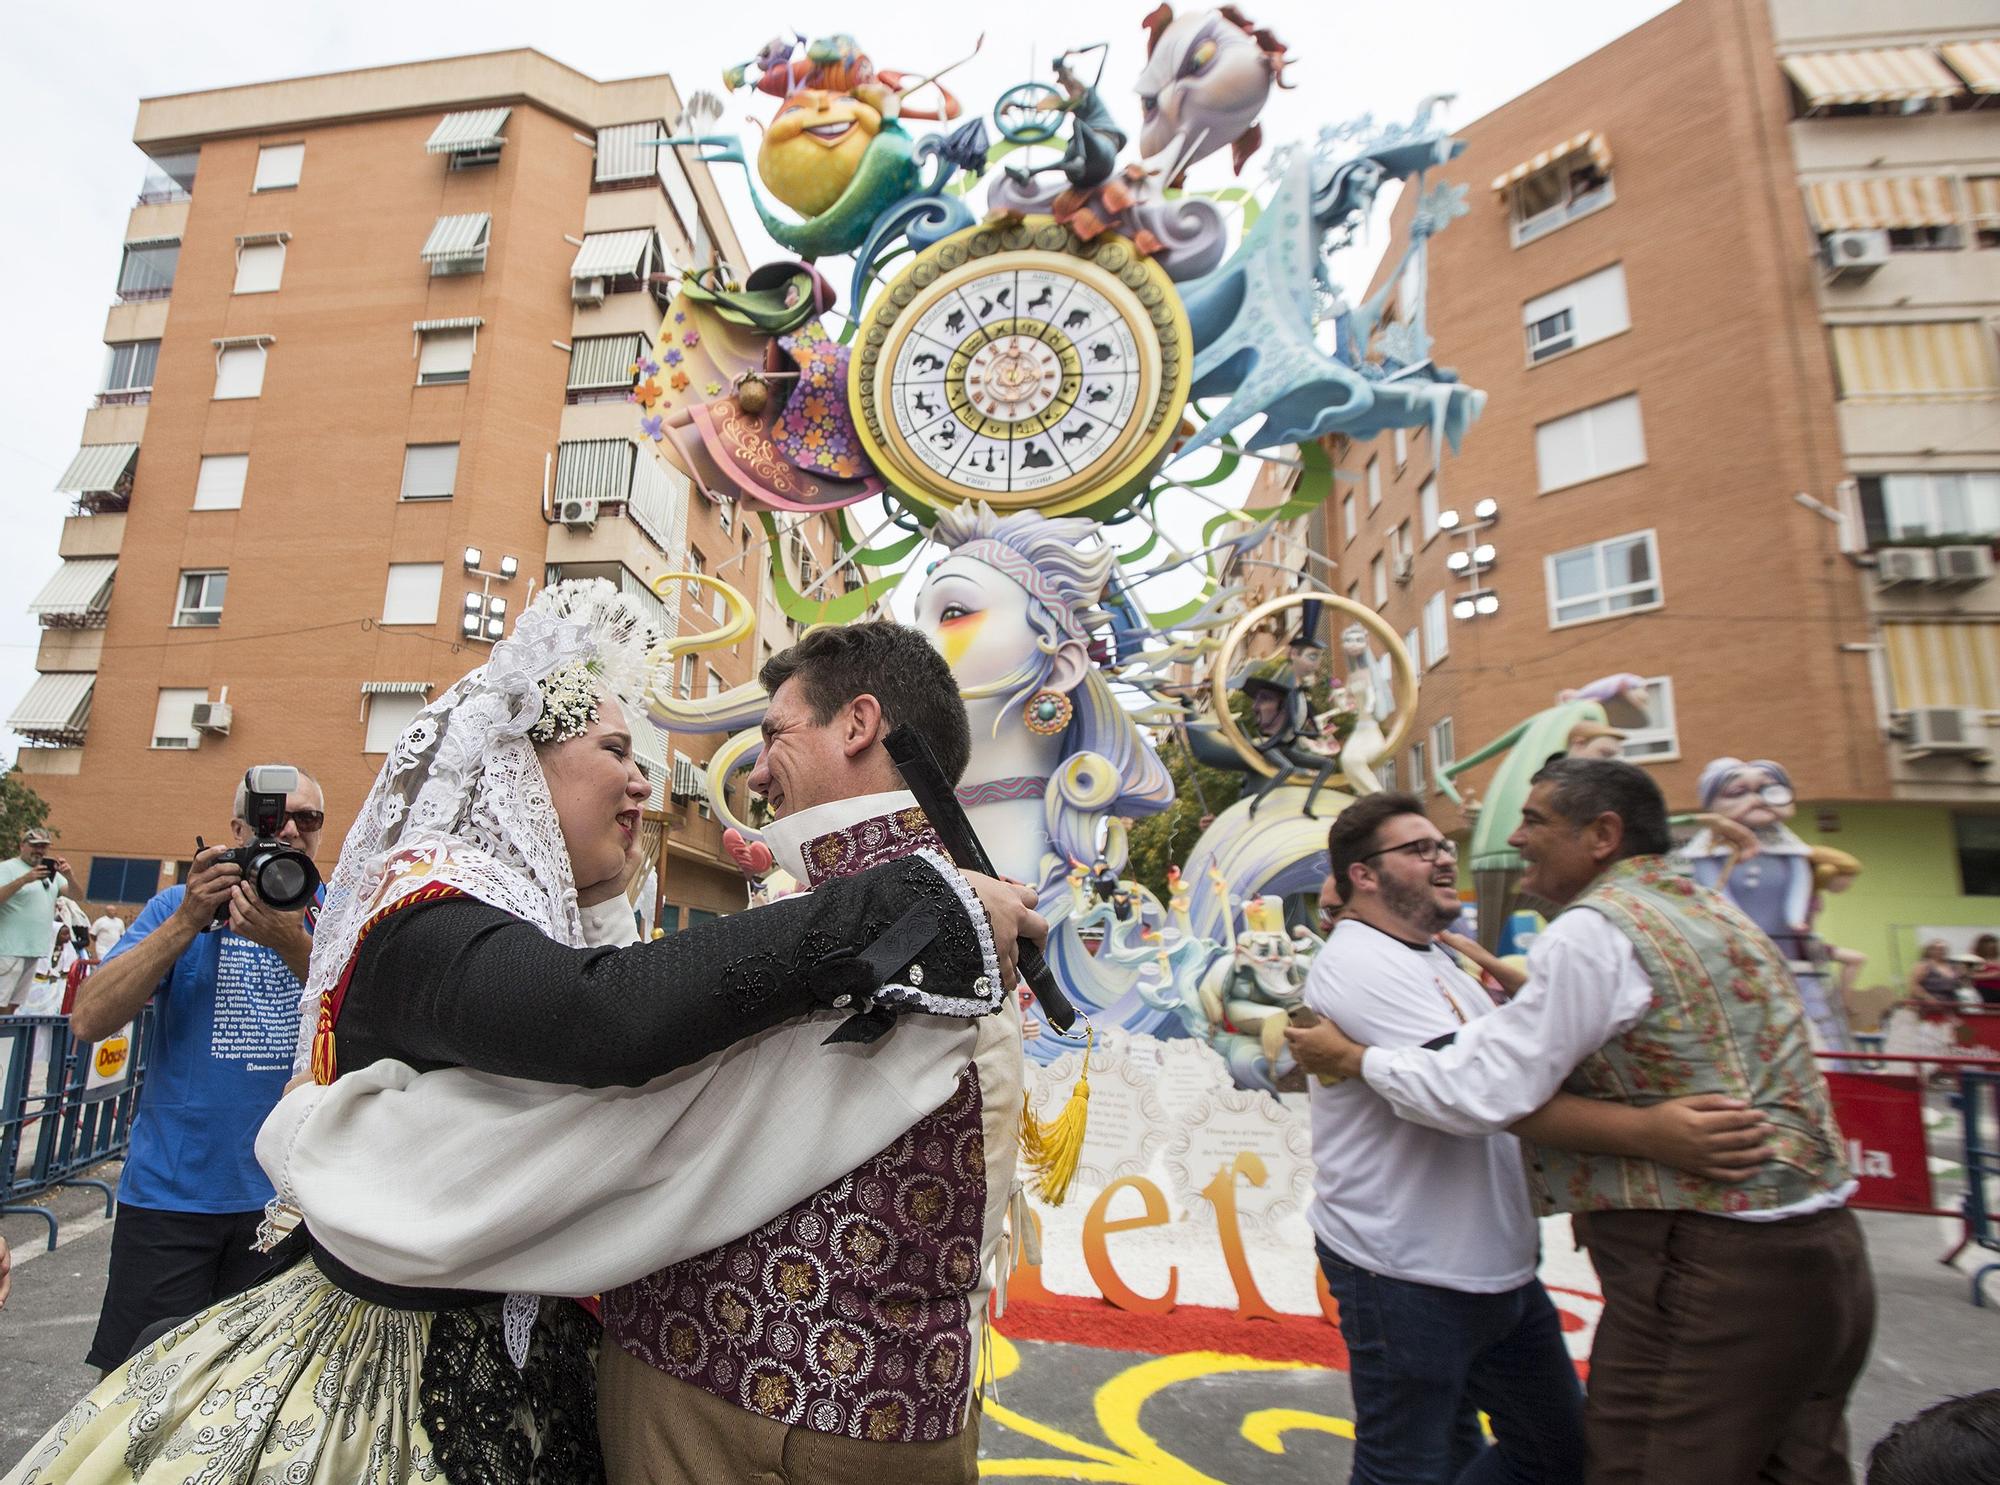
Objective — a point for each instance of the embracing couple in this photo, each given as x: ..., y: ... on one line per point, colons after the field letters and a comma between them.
x: 765, y: 1160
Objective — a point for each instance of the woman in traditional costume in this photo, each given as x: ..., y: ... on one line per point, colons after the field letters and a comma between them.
x: 456, y: 934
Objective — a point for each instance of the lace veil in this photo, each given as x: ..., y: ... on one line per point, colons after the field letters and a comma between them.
x: 461, y: 800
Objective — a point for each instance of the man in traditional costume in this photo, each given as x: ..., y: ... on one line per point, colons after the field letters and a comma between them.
x: 1737, y: 1314
x: 457, y: 933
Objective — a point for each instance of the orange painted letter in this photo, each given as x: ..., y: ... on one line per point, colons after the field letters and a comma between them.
x: 1098, y: 1260
x: 1221, y: 1192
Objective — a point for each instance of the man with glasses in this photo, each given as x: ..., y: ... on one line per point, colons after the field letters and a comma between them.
x: 225, y: 972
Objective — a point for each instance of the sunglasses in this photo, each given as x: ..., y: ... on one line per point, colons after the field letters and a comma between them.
x: 307, y: 820
x: 1427, y: 850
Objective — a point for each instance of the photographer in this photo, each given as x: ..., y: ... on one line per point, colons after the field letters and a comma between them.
x: 29, y: 886
x: 225, y: 1021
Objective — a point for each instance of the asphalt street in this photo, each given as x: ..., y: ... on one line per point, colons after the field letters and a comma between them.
x: 1071, y: 1411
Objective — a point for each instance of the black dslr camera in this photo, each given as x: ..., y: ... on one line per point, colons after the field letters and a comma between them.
x: 283, y: 877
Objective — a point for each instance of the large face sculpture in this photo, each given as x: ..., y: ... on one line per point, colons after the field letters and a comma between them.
x: 814, y: 147
x: 978, y: 619
x: 1205, y: 79
x: 1755, y: 798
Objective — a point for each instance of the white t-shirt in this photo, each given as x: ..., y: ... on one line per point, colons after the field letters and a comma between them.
x: 105, y: 932
x: 1390, y: 1195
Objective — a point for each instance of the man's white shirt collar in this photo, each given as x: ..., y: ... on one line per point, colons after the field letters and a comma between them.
x: 788, y: 837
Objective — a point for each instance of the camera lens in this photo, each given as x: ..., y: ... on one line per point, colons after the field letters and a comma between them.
x: 285, y: 879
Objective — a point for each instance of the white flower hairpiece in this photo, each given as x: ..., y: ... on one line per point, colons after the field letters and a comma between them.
x: 569, y: 704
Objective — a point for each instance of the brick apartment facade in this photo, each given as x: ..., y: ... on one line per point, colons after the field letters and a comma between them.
x: 375, y: 355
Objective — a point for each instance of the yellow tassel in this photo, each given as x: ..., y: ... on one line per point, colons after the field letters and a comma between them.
x: 1053, y: 1147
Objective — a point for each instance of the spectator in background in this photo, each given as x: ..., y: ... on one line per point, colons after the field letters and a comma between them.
x: 30, y: 883
x: 227, y: 1018
x: 1986, y: 974
x: 1935, y: 977
x: 106, y: 931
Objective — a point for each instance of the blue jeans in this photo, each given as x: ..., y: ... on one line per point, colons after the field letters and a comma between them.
x: 1424, y: 1362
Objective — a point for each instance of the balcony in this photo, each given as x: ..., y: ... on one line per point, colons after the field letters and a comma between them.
x: 92, y: 536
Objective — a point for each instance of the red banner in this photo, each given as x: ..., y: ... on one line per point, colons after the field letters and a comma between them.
x: 1882, y: 1120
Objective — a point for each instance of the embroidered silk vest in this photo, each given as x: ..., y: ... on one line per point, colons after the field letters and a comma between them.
x: 849, y: 1314
x: 1726, y: 1018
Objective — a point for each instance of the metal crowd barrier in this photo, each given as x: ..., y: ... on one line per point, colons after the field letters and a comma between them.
x: 65, y: 1106
x: 1880, y: 1109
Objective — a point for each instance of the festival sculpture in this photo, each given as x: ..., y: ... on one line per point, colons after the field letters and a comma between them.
x: 1008, y: 390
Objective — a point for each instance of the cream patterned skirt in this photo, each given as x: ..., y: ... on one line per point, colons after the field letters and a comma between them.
x: 297, y: 1381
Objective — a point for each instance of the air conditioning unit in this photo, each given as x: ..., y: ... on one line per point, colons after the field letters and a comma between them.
x: 1964, y: 565
x: 1855, y: 255
x: 578, y: 512
x: 1895, y: 565
x: 211, y: 716
x: 1946, y: 729
x: 1404, y: 567
x: 588, y: 291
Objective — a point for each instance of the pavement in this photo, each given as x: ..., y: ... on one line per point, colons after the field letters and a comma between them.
x: 1072, y: 1412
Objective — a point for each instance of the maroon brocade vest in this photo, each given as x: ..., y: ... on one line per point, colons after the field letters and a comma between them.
x: 849, y: 1314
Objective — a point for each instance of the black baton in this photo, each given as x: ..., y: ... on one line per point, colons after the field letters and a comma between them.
x: 939, y: 801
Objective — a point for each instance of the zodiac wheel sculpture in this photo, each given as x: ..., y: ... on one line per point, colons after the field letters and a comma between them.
x: 1017, y: 364
x: 1403, y: 675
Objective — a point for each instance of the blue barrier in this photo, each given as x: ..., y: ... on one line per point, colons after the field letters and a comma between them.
x: 1980, y: 1096
x: 59, y: 1121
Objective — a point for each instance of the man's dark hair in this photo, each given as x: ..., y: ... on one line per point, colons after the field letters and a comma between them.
x: 1955, y: 1442
x: 1354, y: 829
x: 1588, y: 787
x: 896, y: 665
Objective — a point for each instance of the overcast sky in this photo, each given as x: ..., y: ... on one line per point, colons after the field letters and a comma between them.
x: 72, y: 75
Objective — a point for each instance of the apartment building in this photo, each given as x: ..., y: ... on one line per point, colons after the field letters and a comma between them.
x: 365, y: 392
x: 1730, y: 284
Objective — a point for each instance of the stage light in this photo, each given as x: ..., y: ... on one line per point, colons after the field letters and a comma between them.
x: 1462, y: 608
x: 472, y: 603
x: 509, y: 566
x: 1487, y: 603
x: 1447, y: 520
x: 494, y: 628
x: 471, y: 558
x: 1483, y: 553
x: 1486, y: 510
x: 470, y: 624
x: 1458, y: 561
x: 496, y: 606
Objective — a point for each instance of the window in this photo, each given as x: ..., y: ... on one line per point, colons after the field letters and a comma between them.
x: 601, y: 366
x: 279, y: 166
x: 1925, y: 239
x: 444, y: 356
x: 1415, y: 645
x: 1557, y: 195
x: 128, y: 372
x: 1577, y: 314
x: 1620, y: 575
x: 1978, y: 840
x: 1347, y: 517
x: 200, y: 605
x: 1437, y: 640
x: 260, y: 267
x: 173, y: 719
x: 724, y: 519
x: 715, y: 683
x: 1374, y: 483
x: 388, y: 714
x: 1420, y: 779
x: 239, y: 372
x: 412, y: 594
x: 688, y: 668
x: 1427, y: 506
x: 147, y: 271
x: 1444, y: 747
x: 457, y: 244
x: 1402, y: 441
x: 1924, y: 507
x: 1400, y: 549
x: 1385, y: 770
x: 169, y: 178
x: 1378, y: 579
x: 1654, y: 740
x: 1585, y: 445
x: 219, y: 485
x: 429, y: 471
x: 1985, y: 193
x: 122, y: 879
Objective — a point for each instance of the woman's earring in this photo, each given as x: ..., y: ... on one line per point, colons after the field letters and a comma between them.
x: 1047, y: 713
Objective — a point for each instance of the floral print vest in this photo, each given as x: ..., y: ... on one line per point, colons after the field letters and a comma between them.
x: 1726, y: 1018
x: 851, y: 1313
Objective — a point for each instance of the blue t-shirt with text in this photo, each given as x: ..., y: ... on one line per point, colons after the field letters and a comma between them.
x: 225, y: 1022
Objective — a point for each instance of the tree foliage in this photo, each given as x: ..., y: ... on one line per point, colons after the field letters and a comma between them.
x: 21, y: 809
x: 1165, y: 839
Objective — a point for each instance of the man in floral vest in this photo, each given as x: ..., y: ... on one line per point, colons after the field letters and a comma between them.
x: 1737, y: 1314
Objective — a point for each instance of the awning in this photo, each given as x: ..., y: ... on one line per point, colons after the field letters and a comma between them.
x: 457, y: 237
x: 80, y: 589
x: 1985, y: 193
x: 1898, y: 201
x: 395, y: 688
x: 1890, y: 75
x: 232, y: 342
x: 1978, y: 62
x: 1934, y: 359
x: 613, y: 254
x: 1942, y: 665
x: 98, y: 469
x: 261, y: 239
x: 1590, y: 143
x: 459, y: 133
x: 604, y: 360
x: 152, y: 242
x: 594, y: 469
x: 463, y: 322
x: 56, y: 708
x: 624, y: 154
